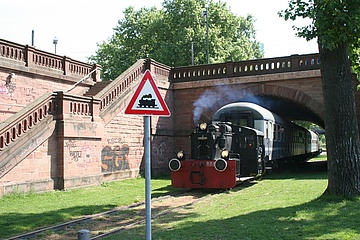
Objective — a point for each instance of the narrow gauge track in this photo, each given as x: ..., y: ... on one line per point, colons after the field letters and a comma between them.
x: 119, y: 219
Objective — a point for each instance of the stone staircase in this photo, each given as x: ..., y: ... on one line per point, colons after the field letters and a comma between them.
x: 97, y: 88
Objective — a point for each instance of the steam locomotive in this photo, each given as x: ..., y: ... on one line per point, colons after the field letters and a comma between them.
x: 242, y: 141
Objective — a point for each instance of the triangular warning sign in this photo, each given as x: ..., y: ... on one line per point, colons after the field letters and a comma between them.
x: 147, y: 99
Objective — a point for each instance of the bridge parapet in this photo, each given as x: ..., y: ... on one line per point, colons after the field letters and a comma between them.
x: 246, y: 68
x: 32, y: 57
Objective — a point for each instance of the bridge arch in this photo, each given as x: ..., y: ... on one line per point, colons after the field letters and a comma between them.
x: 290, y: 103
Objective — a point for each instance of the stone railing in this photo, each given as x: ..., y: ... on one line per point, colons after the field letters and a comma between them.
x: 57, y: 104
x: 18, y: 124
x: 246, y: 68
x: 76, y: 105
x: 32, y: 57
x: 127, y: 78
x: 121, y: 84
x: 158, y: 69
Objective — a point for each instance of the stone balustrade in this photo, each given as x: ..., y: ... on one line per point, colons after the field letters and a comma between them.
x: 121, y: 83
x: 246, y: 68
x: 17, y: 125
x: 32, y: 57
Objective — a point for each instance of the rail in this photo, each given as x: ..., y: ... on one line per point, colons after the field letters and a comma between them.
x: 246, y: 68
x: 81, y: 80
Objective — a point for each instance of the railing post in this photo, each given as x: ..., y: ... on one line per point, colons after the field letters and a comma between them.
x: 66, y: 66
x: 29, y: 53
x: 95, y: 109
x: 294, y: 62
x: 229, y: 69
x: 96, y: 75
x: 148, y: 65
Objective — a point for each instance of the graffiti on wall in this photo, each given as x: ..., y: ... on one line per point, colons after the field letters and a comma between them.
x: 115, y: 159
x: 160, y: 154
x: 9, y: 86
x: 80, y: 153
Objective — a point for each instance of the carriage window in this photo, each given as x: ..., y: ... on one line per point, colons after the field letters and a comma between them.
x: 267, y: 133
x: 274, y: 137
x: 243, y: 122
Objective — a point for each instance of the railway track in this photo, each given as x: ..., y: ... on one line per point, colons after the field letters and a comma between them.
x: 119, y: 219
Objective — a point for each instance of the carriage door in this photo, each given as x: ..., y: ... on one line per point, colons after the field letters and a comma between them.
x: 267, y: 139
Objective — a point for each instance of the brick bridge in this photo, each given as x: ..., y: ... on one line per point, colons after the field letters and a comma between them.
x: 62, y: 127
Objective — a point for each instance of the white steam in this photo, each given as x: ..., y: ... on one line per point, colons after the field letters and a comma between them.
x: 210, y: 97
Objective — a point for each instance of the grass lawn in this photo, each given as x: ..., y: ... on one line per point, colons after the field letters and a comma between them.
x: 282, y: 206
x: 286, y: 205
x: 20, y: 213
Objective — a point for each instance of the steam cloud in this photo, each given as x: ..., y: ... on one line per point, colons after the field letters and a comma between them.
x: 210, y: 97
x: 206, y: 100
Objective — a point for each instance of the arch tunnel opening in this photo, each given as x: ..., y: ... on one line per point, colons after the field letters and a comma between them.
x: 286, y: 108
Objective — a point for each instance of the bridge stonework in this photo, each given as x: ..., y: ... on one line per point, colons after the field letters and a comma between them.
x: 70, y: 130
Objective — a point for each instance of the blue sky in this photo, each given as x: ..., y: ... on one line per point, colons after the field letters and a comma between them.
x: 80, y: 24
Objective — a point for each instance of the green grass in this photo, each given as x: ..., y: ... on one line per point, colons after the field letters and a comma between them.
x: 21, y: 213
x: 282, y: 206
x: 286, y: 205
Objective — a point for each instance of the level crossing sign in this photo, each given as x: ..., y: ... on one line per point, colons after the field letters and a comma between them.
x: 147, y: 99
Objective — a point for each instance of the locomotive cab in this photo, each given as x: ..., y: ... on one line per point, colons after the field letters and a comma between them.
x: 249, y: 143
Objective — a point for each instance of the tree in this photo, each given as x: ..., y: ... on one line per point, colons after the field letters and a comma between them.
x: 336, y: 24
x: 166, y: 35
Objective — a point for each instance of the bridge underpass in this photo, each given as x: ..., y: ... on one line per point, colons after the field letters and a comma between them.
x: 286, y: 108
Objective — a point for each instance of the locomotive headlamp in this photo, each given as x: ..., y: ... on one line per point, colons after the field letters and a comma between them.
x: 202, y: 126
x: 180, y: 155
x: 224, y: 153
x: 174, y: 165
x: 220, y: 165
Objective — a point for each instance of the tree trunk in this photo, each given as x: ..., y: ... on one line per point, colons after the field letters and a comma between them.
x: 341, y: 128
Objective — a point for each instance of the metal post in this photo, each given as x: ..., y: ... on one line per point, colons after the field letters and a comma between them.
x: 83, y: 235
x: 147, y: 176
x: 55, y: 41
x: 207, y: 34
x: 192, y: 53
x: 32, y: 37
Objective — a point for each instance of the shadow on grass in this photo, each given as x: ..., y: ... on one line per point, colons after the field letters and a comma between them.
x: 307, y: 170
x: 19, y: 223
x: 320, y: 218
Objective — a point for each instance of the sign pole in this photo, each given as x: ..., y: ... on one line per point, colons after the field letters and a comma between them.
x: 147, y: 101
x: 147, y: 176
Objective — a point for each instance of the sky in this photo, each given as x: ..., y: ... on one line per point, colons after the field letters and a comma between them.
x: 79, y: 25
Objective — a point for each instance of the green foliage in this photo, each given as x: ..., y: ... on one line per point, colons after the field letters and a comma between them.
x: 334, y: 22
x: 166, y: 36
x: 355, y: 58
